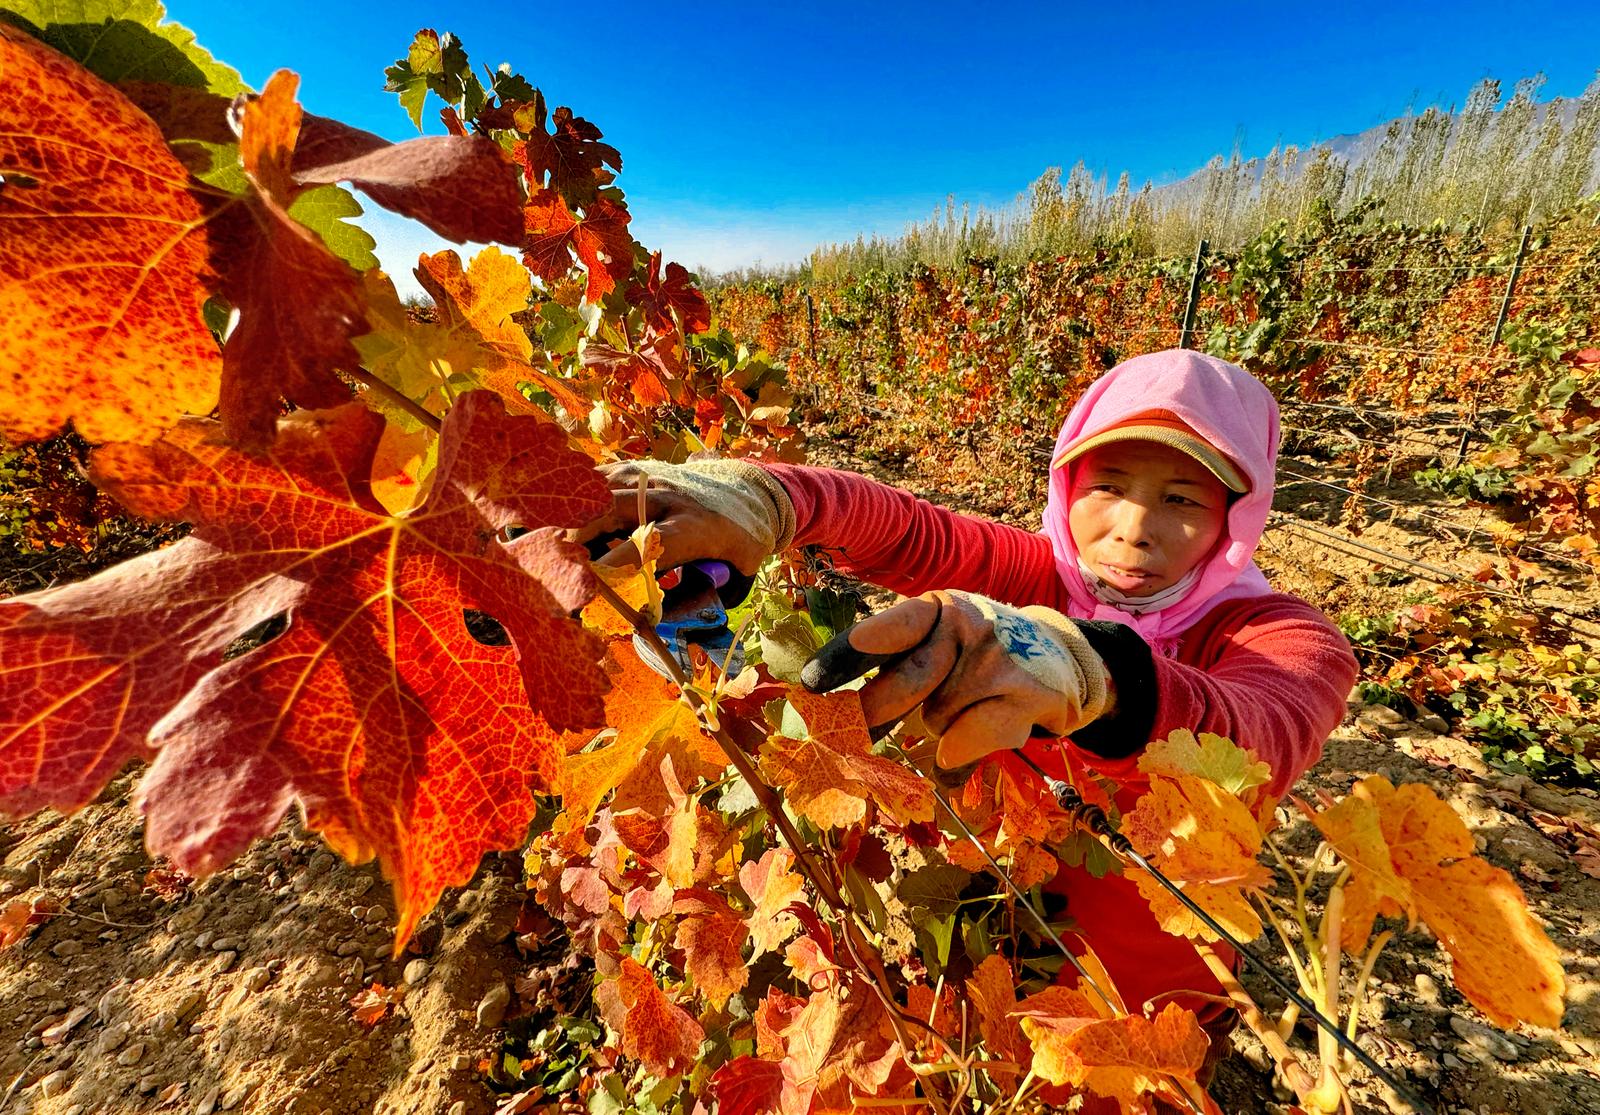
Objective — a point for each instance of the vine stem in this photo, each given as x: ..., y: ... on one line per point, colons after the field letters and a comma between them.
x: 855, y: 941
x: 1288, y: 1063
x: 405, y: 403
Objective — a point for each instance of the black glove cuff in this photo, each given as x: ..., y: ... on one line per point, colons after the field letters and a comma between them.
x: 1132, y: 667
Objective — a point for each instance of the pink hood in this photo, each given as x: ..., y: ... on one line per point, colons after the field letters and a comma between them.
x: 1233, y: 411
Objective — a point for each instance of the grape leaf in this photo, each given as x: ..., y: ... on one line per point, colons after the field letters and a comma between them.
x: 712, y: 938
x: 599, y: 240
x: 748, y: 1086
x: 771, y: 887
x: 1205, y: 840
x: 829, y: 776
x: 656, y: 820
x: 1210, y: 756
x: 462, y: 187
x: 659, y: 298
x: 655, y: 1031
x: 83, y: 293
x: 475, y: 307
x: 323, y: 210
x: 124, y: 40
x: 1078, y: 1041
x: 1503, y: 961
x: 572, y: 161
x: 992, y: 989
x: 400, y: 735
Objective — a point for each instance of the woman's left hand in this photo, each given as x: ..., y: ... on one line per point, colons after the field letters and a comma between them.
x: 988, y: 676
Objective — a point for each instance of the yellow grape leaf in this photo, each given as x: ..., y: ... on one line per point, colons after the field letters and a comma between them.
x: 829, y: 776
x: 1503, y: 961
x: 1205, y: 840
x: 1210, y: 756
x: 1355, y: 831
x: 1078, y: 1042
x: 403, y: 466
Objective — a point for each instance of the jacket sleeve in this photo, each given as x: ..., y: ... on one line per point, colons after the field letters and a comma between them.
x: 1272, y: 674
x: 891, y: 538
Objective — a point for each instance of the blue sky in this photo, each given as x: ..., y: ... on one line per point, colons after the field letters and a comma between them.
x: 753, y: 132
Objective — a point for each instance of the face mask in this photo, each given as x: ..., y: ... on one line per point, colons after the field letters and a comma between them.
x: 1139, y: 605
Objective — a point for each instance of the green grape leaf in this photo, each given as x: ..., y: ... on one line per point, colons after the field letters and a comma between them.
x: 323, y: 210
x: 124, y: 40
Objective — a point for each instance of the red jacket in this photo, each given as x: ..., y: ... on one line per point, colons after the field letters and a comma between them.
x: 1270, y: 673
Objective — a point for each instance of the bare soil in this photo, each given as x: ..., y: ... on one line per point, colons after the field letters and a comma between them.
x: 234, y: 993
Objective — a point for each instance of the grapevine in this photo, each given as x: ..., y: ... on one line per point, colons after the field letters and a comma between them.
x: 783, y: 914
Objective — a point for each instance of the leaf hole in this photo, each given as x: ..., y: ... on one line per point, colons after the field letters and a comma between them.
x: 259, y: 635
x: 18, y: 181
x: 485, y: 629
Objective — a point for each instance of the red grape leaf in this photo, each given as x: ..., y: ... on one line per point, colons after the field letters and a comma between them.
x: 599, y: 239
x: 655, y: 1031
x: 712, y: 938
x: 657, y: 298
x: 118, y: 288
x: 462, y: 187
x: 830, y: 775
x: 400, y: 734
x: 574, y: 158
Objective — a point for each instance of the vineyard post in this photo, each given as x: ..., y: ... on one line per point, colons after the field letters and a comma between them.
x: 811, y: 325
x: 1186, y: 332
x: 1494, y: 338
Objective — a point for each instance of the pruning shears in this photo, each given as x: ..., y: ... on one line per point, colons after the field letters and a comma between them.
x: 694, y: 613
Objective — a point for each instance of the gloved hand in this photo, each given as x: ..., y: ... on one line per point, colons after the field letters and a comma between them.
x: 728, y: 510
x: 985, y: 674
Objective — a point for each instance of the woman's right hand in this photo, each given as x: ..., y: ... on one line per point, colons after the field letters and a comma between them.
x: 724, y: 510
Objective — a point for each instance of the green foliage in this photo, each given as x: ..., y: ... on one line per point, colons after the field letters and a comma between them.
x: 124, y: 40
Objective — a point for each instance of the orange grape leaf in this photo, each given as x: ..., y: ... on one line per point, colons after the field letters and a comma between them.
x: 96, y: 273
x: 1077, y: 1042
x: 992, y: 989
x: 1355, y: 831
x: 1503, y: 961
x: 712, y: 938
x: 771, y: 886
x: 400, y: 734
x: 830, y: 775
x: 1206, y: 840
x: 655, y: 1031
x: 837, y: 1047
x: 599, y: 239
x: 21, y: 916
x: 373, y: 1002
x: 656, y: 820
x: 748, y: 1086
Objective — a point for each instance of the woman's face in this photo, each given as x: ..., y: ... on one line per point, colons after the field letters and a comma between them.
x: 1143, y: 514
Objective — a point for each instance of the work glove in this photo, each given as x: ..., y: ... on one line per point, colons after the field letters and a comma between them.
x: 726, y: 510
x: 988, y: 676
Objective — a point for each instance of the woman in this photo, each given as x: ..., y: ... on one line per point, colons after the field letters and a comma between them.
x: 1135, y: 611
